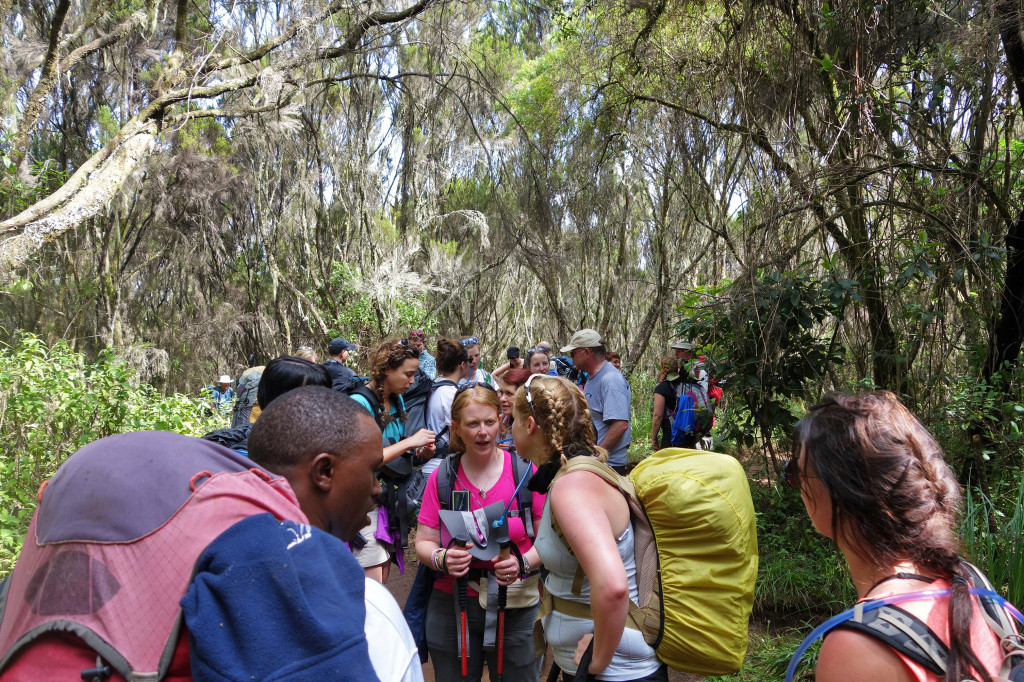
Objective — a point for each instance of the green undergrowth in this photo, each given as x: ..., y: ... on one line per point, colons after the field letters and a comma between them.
x: 801, y: 574
x: 52, y: 402
x: 993, y: 536
x: 771, y: 648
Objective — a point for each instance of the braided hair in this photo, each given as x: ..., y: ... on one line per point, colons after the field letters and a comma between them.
x: 387, y: 357
x: 563, y: 415
x: 893, y: 497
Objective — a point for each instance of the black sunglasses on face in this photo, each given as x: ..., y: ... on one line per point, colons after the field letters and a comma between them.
x: 791, y: 474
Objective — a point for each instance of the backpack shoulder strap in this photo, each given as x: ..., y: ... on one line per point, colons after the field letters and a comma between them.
x: 364, y: 391
x: 584, y: 463
x: 522, y: 472
x: 904, y: 632
x: 998, y: 621
x: 610, y: 476
x: 446, y: 472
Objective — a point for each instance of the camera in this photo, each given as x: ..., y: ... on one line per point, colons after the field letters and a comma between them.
x: 512, y: 353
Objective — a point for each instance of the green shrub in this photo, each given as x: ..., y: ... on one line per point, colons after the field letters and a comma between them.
x: 52, y: 402
x: 642, y: 384
x: 800, y: 572
x: 768, y: 656
x: 997, y: 549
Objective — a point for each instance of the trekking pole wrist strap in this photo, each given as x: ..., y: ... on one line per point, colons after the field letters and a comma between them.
x: 524, y: 566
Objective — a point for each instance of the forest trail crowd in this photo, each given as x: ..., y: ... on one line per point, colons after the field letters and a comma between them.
x: 529, y: 527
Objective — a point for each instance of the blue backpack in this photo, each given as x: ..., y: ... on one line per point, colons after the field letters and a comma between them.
x: 685, y: 419
x: 695, y: 413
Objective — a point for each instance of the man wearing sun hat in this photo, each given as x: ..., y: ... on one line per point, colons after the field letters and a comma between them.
x: 221, y: 394
x: 684, y: 355
x: 607, y: 393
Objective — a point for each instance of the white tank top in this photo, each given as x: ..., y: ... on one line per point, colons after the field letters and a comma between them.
x: 633, y: 658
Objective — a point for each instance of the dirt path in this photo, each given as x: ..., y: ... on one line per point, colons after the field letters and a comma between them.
x: 400, y: 584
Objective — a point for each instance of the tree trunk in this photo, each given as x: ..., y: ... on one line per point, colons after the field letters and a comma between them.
x: 1009, y: 329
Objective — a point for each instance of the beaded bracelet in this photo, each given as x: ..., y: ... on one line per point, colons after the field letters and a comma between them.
x: 436, y: 557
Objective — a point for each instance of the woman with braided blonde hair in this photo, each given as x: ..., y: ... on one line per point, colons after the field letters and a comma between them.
x: 551, y: 426
x: 874, y: 480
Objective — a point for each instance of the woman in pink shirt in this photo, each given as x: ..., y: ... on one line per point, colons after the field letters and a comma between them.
x: 484, y: 473
x: 874, y: 480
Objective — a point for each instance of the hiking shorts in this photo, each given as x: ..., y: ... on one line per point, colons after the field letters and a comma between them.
x: 376, y: 552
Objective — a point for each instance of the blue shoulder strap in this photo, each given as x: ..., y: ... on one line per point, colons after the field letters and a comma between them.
x: 857, y: 610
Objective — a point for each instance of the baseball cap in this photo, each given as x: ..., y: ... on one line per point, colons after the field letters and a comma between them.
x: 684, y: 345
x: 338, y: 345
x: 584, y: 338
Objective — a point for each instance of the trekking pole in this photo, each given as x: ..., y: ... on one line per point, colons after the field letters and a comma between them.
x: 462, y: 584
x: 504, y: 553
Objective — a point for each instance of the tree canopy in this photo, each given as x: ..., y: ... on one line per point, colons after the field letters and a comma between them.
x: 824, y: 194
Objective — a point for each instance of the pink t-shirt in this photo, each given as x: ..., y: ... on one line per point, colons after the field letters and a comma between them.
x: 503, y: 490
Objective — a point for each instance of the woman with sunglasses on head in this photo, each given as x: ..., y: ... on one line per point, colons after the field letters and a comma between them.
x: 393, y: 366
x: 552, y: 425
x: 484, y: 473
x: 874, y: 480
x: 476, y: 373
x: 507, y: 388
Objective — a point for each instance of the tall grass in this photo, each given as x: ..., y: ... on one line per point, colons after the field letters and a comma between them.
x: 999, y: 551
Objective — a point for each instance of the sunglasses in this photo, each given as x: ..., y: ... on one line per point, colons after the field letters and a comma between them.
x: 471, y: 341
x: 792, y: 474
x: 305, y: 347
x: 416, y: 335
x: 471, y: 384
x: 529, y: 396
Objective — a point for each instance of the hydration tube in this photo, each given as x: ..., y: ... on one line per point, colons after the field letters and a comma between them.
x: 500, y: 521
x: 819, y: 631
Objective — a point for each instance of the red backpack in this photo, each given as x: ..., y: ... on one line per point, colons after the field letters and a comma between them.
x: 110, y: 552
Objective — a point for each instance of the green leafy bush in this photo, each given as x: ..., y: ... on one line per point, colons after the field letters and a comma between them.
x: 52, y: 402
x: 994, y: 540
x: 800, y: 572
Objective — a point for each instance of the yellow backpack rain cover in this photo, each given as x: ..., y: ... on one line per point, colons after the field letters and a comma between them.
x: 699, y: 508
